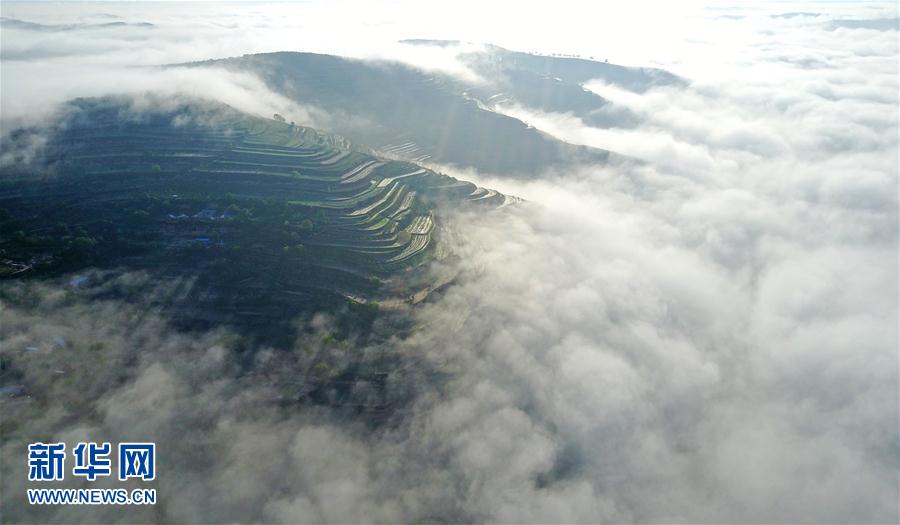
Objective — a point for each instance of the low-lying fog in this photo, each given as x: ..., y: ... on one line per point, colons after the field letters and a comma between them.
x: 708, y: 336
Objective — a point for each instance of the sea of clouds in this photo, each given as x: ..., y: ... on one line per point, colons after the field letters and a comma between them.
x: 708, y: 336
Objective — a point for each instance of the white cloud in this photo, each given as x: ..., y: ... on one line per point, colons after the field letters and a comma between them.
x: 708, y: 336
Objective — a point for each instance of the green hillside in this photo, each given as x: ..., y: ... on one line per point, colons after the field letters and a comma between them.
x: 258, y: 219
x: 412, y: 114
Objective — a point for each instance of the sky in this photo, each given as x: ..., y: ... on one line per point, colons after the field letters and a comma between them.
x: 707, y: 336
x: 689, y: 38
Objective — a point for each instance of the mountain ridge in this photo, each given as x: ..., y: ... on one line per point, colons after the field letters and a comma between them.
x: 439, y: 118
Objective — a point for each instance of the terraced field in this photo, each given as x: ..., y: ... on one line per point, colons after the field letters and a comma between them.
x: 262, y: 218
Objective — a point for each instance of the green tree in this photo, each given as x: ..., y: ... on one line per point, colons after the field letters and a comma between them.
x: 83, y: 243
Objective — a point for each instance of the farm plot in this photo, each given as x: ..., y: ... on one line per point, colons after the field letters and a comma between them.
x: 417, y: 245
x: 421, y: 225
x: 257, y: 207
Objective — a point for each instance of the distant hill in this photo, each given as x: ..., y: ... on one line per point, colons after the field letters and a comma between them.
x: 439, y: 118
x: 260, y: 219
x: 12, y: 23
x: 555, y: 84
x: 493, y: 60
